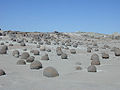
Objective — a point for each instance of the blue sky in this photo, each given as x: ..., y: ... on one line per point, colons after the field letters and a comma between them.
x: 102, y: 16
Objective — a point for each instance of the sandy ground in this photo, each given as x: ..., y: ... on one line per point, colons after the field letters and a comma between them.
x: 21, y: 77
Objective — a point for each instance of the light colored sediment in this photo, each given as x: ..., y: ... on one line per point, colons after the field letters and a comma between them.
x: 21, y: 77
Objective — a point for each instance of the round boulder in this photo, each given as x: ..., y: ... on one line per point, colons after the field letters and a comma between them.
x: 3, y: 51
x: 38, y: 46
x: 30, y: 59
x: 95, y: 62
x: 25, y: 55
x: 50, y: 72
x: 2, y: 43
x: 95, y: 44
x: 2, y: 72
x: 10, y: 44
x: 35, y: 65
x: 95, y: 57
x: 36, y: 52
x: 31, y: 51
x: 64, y: 56
x: 75, y: 45
x: 5, y: 47
x: 72, y: 51
x: 89, y: 50
x: 48, y: 50
x: 113, y: 49
x: 45, y: 57
x: 66, y: 48
x: 96, y: 49
x: 22, y: 44
x: 105, y: 56
x: 106, y: 46
x: 15, y: 52
x: 21, y: 62
x: 117, y: 52
x: 59, y: 52
x: 92, y: 68
x: 42, y: 48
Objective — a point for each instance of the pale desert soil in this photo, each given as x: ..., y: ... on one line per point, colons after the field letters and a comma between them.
x: 21, y: 77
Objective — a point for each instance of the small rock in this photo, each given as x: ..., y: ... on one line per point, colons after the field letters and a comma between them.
x: 25, y: 49
x: 78, y: 68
